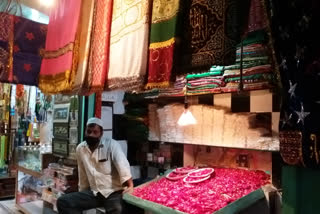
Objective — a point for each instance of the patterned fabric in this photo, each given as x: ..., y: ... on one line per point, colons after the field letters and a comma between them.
x: 177, y: 90
x: 99, y: 47
x: 5, y: 22
x: 296, y: 31
x: 165, y: 15
x: 59, y: 65
x: 210, y: 33
x: 29, y: 39
x: 6, y: 45
x: 129, y: 44
x: 98, y: 105
x: 256, y: 20
x: 86, y: 21
x: 20, y: 43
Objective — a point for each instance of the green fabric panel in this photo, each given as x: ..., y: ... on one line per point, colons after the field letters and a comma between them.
x: 250, y: 77
x: 300, y: 190
x: 242, y: 203
x: 256, y: 37
x: 308, y: 191
x: 150, y: 206
x: 163, y: 31
x: 82, y: 119
x: 2, y: 150
x: 248, y: 64
x: 214, y: 71
x: 91, y: 104
x: 203, y: 86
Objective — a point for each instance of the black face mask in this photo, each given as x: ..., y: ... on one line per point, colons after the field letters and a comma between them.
x: 91, y: 141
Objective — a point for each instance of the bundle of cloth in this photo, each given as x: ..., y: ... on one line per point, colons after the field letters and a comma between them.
x: 257, y: 71
x: 208, y: 82
x: 177, y: 90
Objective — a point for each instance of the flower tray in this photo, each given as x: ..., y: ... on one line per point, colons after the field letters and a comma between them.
x: 233, y: 207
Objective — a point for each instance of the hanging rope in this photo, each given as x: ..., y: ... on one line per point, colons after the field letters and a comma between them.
x: 240, y: 89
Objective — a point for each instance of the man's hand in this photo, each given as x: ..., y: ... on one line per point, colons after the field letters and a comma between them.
x: 128, y: 190
x: 128, y: 186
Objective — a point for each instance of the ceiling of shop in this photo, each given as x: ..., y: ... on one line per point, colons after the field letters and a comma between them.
x: 35, y: 4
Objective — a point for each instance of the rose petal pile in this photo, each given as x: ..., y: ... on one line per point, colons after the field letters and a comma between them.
x: 206, y: 197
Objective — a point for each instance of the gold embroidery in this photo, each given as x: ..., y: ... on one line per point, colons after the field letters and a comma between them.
x: 128, y: 18
x: 56, y: 53
x: 162, y: 44
x: 314, y: 149
x: 128, y: 83
x: 291, y: 147
x: 11, y: 38
x: 52, y: 84
x: 163, y: 10
x: 151, y: 85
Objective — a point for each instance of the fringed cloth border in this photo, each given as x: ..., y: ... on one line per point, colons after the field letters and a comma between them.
x: 129, y: 83
x: 152, y: 85
x: 162, y: 44
x: 62, y: 82
x: 52, y: 84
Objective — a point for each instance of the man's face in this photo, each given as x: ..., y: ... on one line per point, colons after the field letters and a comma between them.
x: 93, y: 131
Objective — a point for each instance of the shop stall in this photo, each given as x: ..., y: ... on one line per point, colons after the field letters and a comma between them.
x: 208, y: 100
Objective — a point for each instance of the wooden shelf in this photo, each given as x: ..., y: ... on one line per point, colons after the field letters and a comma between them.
x: 29, y: 172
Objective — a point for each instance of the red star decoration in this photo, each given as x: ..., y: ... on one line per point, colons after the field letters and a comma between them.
x: 29, y: 36
x: 27, y: 67
x: 16, y: 48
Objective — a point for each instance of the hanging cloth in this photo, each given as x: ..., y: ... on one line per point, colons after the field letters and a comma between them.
x: 99, y: 48
x: 86, y: 21
x: 163, y: 36
x: 6, y: 47
x: 211, y: 31
x: 3, y: 150
x: 129, y: 44
x: 256, y: 19
x: 29, y: 39
x: 60, y: 57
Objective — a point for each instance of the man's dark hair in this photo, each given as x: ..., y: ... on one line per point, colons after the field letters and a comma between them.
x: 91, y: 125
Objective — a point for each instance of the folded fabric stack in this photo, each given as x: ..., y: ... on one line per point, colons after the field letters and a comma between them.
x: 257, y: 70
x: 208, y: 82
x: 177, y: 90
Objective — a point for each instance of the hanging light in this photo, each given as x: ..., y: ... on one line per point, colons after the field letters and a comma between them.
x: 186, y: 117
x: 47, y: 3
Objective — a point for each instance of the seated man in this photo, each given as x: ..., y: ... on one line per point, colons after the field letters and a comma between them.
x: 104, y: 174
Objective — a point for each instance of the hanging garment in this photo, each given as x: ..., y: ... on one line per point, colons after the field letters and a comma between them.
x: 257, y: 17
x: 3, y: 150
x: 99, y: 47
x: 6, y: 47
x: 29, y: 39
x: 86, y: 22
x: 163, y: 37
x: 129, y: 44
x: 60, y: 57
x: 211, y: 32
